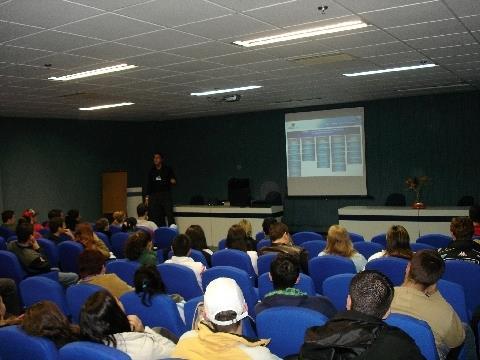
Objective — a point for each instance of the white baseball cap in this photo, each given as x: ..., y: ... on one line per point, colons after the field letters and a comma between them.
x: 223, y: 294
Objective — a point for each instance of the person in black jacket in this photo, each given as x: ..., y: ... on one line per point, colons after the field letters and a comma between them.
x: 360, y: 332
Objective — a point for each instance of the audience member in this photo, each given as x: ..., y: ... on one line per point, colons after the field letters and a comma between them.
x: 31, y: 215
x: 237, y: 240
x: 55, y: 213
x: 339, y: 243
x: 284, y: 274
x: 139, y: 247
x: 103, y: 226
x: 90, y: 241
x: 103, y: 320
x: 9, y: 293
x: 72, y: 219
x: 360, y: 332
x: 474, y: 214
x: 5, y: 318
x: 398, y: 244
x: 181, y: 247
x: 45, y: 319
x: 8, y: 220
x: 462, y: 247
x: 199, y: 242
x: 129, y: 225
x: 282, y: 243
x: 251, y: 242
x: 30, y: 255
x: 420, y: 298
x: 219, y: 334
x: 118, y: 218
x: 58, y: 231
x: 142, y: 218
x: 92, y: 271
x: 267, y: 222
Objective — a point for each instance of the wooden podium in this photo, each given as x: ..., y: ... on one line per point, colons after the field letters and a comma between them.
x: 114, y: 191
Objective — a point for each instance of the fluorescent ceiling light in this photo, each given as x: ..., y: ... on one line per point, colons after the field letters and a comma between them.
x: 101, y: 71
x: 403, y: 68
x: 221, y: 91
x: 300, y: 34
x: 99, y: 107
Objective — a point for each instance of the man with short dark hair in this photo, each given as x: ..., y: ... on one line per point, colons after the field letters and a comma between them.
x: 142, y: 218
x: 360, y: 331
x: 462, y: 247
x: 57, y: 228
x: 31, y: 257
x: 284, y: 274
x: 55, y: 213
x: 420, y: 298
x: 267, y: 222
x: 8, y: 220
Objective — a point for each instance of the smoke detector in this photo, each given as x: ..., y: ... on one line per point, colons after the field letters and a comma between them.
x: 232, y: 98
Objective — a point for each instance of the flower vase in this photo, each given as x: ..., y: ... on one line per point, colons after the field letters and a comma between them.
x: 418, y: 204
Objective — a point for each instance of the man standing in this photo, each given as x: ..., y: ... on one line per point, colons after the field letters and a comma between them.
x: 158, y: 196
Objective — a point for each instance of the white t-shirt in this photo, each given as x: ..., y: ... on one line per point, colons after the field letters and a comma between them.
x: 358, y: 260
x: 253, y: 258
x: 377, y: 255
x: 147, y: 223
x: 197, y: 267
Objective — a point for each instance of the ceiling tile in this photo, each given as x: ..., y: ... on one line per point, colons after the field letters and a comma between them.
x: 246, y: 57
x: 432, y: 28
x: 191, y: 66
x: 64, y: 61
x: 452, y: 51
x: 163, y: 40
x: 471, y: 22
x: 25, y: 71
x: 371, y: 5
x: 109, y: 51
x: 297, y: 50
x: 376, y: 50
x: 269, y: 65
x: 225, y: 72
x: 244, y: 5
x: 464, y: 7
x: 207, y: 50
x: 148, y: 74
x: 363, y: 38
x: 398, y: 59
x: 184, y: 78
x: 175, y: 12
x: 47, y: 14
x: 17, y: 55
x: 109, y: 5
x: 442, y: 41
x: 10, y: 31
x: 156, y: 59
x: 108, y: 27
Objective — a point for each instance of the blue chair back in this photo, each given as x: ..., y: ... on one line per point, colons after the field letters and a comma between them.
x: 117, y: 242
x: 163, y: 237
x: 6, y: 232
x: 325, y: 266
x: 242, y: 279
x: 10, y: 267
x: 179, y: 279
x: 222, y: 244
x: 11, y: 238
x: 314, y: 247
x: 44, y: 232
x: 380, y: 239
x: 76, y: 297
x: 84, y: 350
x: 264, y: 261
x: 115, y: 229
x: 466, y: 274
x: 190, y: 309
x: 305, y: 284
x: 419, y: 331
x: 162, y: 312
x: 367, y: 248
x: 15, y: 344
x: 286, y: 327
x: 39, y: 288
x: 356, y: 237
x: 420, y: 246
x: 455, y: 296
x: 259, y: 236
x: 300, y: 237
x: 336, y: 288
x: 125, y: 269
x: 435, y: 240
x: 263, y: 243
x: 104, y: 238
x: 68, y: 253
x: 235, y: 258
x: 51, y: 251
x: 3, y: 244
x: 391, y: 267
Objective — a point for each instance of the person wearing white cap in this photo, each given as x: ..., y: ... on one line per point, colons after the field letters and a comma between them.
x: 219, y: 334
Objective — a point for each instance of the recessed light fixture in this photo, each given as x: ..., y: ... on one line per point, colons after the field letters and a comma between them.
x: 221, y: 91
x: 300, y: 34
x: 101, y: 71
x: 99, y: 107
x: 402, y: 68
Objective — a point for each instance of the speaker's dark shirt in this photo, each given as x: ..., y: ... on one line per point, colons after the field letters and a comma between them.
x: 159, y: 179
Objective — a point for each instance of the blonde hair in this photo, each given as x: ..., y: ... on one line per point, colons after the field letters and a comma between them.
x: 247, y: 226
x: 338, y: 242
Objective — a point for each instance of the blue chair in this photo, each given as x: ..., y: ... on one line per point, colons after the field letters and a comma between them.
x: 455, y: 296
x: 163, y: 237
x: 76, y: 297
x: 420, y: 246
x: 125, y: 269
x: 259, y: 236
x: 325, y: 266
x: 264, y: 261
x: 84, y: 350
x: 163, y: 311
x: 51, y: 251
x: 10, y: 267
x: 380, y: 239
x: 286, y: 327
x: 11, y: 238
x: 419, y: 331
x: 466, y: 274
x: 190, y: 309
x: 314, y: 247
x: 16, y: 344
x: 222, y: 244
x: 68, y: 253
x: 391, y: 267
x: 44, y: 232
x: 39, y: 288
x: 264, y: 243
x: 179, y: 279
x: 242, y: 279
x: 336, y: 288
x: 6, y: 232
x: 115, y: 229
x: 235, y: 258
x: 3, y: 244
x: 300, y: 237
x: 196, y: 255
x: 305, y: 284
x: 118, y: 241
x: 435, y: 240
x: 367, y: 248
x: 356, y: 237
x: 104, y: 238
